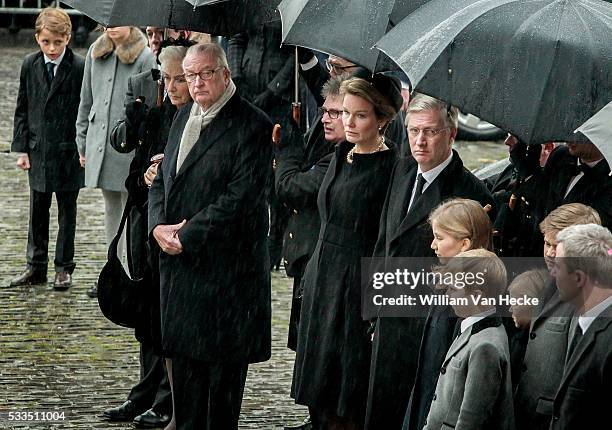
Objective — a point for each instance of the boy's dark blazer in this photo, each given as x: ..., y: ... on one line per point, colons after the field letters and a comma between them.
x: 45, y: 119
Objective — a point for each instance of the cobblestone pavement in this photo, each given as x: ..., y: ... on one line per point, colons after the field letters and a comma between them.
x: 58, y: 353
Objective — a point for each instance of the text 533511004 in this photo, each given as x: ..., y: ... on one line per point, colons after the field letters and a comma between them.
x: 32, y: 416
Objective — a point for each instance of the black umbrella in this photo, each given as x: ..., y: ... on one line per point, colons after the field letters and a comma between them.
x: 221, y: 18
x: 537, y: 69
x: 347, y: 28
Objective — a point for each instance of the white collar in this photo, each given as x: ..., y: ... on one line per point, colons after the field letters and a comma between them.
x: 585, y: 320
x: 57, y: 61
x: 591, y: 164
x: 473, y: 319
x: 432, y: 174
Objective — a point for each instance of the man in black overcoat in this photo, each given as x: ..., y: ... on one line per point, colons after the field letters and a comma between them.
x: 583, y: 398
x: 44, y: 135
x: 405, y: 232
x: 208, y: 213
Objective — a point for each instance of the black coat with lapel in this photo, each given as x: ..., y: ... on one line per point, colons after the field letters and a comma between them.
x: 594, y: 189
x: 395, y: 350
x: 584, y: 396
x: 45, y: 119
x: 299, y: 173
x: 215, y: 295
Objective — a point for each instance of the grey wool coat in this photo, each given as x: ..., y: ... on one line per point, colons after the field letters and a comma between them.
x: 102, y: 104
x: 474, y: 390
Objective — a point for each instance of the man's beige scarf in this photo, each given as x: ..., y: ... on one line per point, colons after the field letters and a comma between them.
x: 198, y: 121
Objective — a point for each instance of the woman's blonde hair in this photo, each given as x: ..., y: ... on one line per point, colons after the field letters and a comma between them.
x: 383, y: 109
x: 464, y: 219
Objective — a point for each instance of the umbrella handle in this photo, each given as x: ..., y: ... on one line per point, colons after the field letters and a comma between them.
x: 296, y: 112
x: 297, y: 77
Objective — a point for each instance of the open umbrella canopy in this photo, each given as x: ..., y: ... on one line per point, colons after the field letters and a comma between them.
x: 598, y: 129
x: 536, y: 68
x: 347, y: 28
x: 197, y: 3
x: 224, y: 18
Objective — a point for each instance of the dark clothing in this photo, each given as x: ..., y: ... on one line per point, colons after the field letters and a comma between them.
x: 333, y: 354
x: 44, y: 128
x: 593, y: 189
x: 300, y: 171
x: 45, y: 118
x: 543, y: 363
x: 518, y: 345
x: 207, y: 395
x: 38, y: 232
x: 583, y: 399
x: 408, y: 234
x: 153, y: 388
x: 215, y: 294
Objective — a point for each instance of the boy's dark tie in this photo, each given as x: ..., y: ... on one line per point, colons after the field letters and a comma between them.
x: 50, y: 68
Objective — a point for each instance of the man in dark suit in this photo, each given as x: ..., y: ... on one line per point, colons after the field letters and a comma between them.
x: 583, y: 273
x: 263, y: 72
x: 544, y: 359
x: 44, y: 135
x: 419, y: 183
x: 208, y: 213
x: 300, y: 169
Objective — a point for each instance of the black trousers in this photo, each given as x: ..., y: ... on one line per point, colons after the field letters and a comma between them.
x: 38, y: 232
x: 207, y: 396
x: 153, y: 389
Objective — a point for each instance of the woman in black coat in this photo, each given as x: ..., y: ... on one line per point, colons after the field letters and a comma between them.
x: 333, y: 352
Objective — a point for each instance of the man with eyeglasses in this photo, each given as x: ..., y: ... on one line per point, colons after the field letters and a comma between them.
x: 418, y: 185
x: 208, y: 213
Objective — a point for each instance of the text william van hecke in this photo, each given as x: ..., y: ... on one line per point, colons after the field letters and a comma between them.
x: 444, y: 300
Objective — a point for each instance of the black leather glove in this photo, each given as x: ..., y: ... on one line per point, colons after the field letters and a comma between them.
x: 135, y: 113
x: 304, y: 55
x: 265, y: 100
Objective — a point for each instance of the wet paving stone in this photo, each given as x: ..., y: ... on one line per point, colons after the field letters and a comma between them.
x: 57, y: 351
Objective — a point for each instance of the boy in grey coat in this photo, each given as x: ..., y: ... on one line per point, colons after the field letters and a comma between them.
x: 474, y: 389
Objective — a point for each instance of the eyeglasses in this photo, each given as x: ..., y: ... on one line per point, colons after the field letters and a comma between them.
x: 333, y: 113
x: 427, y: 132
x: 180, y: 79
x: 205, y: 75
x: 338, y: 69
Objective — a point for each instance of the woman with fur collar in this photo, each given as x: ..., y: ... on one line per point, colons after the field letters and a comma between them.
x: 117, y: 54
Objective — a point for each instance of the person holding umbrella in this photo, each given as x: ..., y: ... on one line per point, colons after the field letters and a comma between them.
x: 419, y: 183
x: 333, y: 349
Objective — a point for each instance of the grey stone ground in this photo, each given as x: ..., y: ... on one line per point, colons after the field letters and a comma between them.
x: 58, y: 353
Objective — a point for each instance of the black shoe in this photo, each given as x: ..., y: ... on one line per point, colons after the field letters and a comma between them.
x: 151, y: 419
x: 306, y: 425
x: 125, y: 412
x: 63, y: 281
x: 29, y: 277
x: 92, y: 293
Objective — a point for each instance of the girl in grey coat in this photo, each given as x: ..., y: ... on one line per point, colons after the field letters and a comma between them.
x: 116, y: 55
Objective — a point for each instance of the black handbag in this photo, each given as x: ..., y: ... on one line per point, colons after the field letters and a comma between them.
x: 122, y: 300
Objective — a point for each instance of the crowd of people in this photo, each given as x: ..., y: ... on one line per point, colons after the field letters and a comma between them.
x: 178, y: 136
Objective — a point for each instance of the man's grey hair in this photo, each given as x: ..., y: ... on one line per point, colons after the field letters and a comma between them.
x: 331, y: 88
x: 421, y: 102
x: 212, y: 49
x: 171, y: 54
x: 588, y: 247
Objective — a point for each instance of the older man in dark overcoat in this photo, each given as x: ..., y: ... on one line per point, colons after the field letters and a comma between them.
x: 419, y: 183
x: 208, y: 213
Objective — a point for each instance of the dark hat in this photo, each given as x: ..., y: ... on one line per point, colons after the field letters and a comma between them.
x: 388, y: 86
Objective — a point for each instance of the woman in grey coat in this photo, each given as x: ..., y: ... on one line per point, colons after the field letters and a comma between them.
x: 116, y: 55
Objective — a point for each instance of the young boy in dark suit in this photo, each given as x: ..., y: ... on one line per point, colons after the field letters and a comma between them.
x: 474, y: 389
x: 44, y: 136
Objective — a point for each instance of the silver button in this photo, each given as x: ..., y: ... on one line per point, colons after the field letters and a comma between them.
x: 99, y: 149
